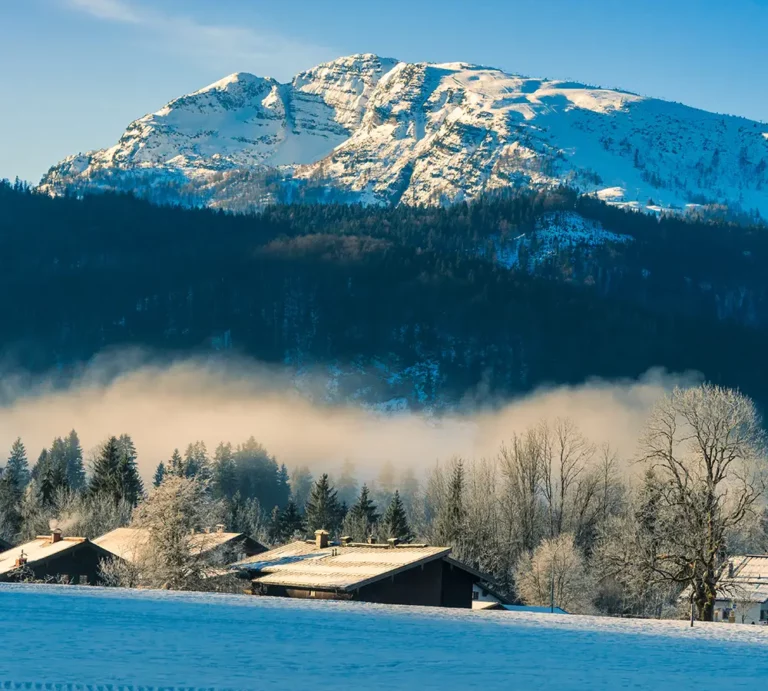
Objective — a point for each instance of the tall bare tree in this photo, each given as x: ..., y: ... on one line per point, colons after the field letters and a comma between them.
x: 706, y: 447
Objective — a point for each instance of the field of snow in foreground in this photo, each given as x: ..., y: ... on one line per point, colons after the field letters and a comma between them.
x: 55, y: 636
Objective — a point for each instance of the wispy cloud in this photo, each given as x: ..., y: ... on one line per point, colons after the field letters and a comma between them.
x: 240, y: 46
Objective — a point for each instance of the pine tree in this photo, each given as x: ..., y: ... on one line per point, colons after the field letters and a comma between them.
x: 106, y: 471
x: 395, y: 522
x: 50, y: 473
x: 323, y: 511
x: 292, y: 521
x: 362, y: 518
x: 159, y: 475
x: 283, y: 487
x: 276, y: 529
x: 10, y: 507
x: 17, y: 467
x: 451, y: 515
x: 224, y: 472
x: 175, y: 466
x: 196, y: 462
x: 74, y: 462
x: 130, y: 485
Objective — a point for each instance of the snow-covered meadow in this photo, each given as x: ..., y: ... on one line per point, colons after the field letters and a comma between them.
x: 55, y: 636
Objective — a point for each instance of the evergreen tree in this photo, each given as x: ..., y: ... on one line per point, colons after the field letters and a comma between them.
x: 17, y: 467
x: 283, y: 487
x: 50, y: 473
x: 395, y: 522
x: 130, y: 485
x: 106, y: 478
x: 292, y: 522
x: 175, y: 465
x: 301, y: 486
x: 159, y: 475
x: 276, y: 529
x: 74, y: 462
x: 196, y: 462
x: 323, y: 510
x: 10, y: 507
x: 362, y: 518
x: 451, y: 515
x: 224, y: 472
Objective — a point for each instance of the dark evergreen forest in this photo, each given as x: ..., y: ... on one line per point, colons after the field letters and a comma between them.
x: 317, y: 284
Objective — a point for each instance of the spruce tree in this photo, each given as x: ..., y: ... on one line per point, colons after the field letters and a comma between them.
x: 175, y: 466
x: 196, y: 462
x: 130, y: 485
x: 159, y: 475
x: 362, y: 518
x: 323, y: 511
x: 106, y: 471
x: 276, y: 527
x: 292, y: 521
x: 283, y: 487
x: 451, y: 515
x: 74, y: 462
x: 224, y: 472
x: 395, y: 522
x: 17, y: 467
x: 10, y: 507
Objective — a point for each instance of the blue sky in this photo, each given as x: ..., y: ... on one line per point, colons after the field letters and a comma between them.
x: 76, y: 72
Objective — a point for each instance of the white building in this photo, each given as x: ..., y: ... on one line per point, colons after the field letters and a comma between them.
x: 743, y: 593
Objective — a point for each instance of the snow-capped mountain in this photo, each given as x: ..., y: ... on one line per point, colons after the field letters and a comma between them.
x: 365, y: 128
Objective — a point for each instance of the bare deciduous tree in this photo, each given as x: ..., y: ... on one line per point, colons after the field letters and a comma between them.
x: 706, y: 446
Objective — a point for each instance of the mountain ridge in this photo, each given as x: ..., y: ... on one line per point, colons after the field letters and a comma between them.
x: 379, y: 131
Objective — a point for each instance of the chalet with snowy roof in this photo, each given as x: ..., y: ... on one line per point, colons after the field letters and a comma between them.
x: 391, y: 573
x: 742, y: 596
x: 126, y: 543
x: 52, y: 557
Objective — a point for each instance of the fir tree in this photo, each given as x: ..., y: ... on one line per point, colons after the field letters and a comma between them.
x: 362, y: 518
x: 196, y: 462
x: 323, y: 511
x: 292, y: 522
x: 175, y: 466
x: 283, y: 487
x: 224, y: 472
x: 451, y: 516
x: 74, y: 462
x: 106, y: 471
x: 17, y: 467
x: 51, y: 473
x: 159, y: 475
x: 10, y: 507
x: 130, y: 485
x: 276, y: 529
x: 395, y: 522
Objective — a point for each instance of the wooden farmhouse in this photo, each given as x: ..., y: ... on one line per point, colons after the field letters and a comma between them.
x: 396, y: 574
x: 52, y: 557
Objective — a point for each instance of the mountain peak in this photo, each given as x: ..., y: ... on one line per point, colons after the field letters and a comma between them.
x: 373, y: 129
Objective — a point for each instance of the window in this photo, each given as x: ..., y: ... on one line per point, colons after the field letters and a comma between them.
x: 475, y: 595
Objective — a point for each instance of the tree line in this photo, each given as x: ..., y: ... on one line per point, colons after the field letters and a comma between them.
x: 551, y: 517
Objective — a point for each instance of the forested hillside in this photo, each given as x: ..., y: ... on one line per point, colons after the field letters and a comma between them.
x: 422, y: 306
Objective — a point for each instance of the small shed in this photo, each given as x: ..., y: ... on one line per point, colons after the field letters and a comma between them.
x: 126, y: 543
x: 391, y: 573
x: 72, y: 560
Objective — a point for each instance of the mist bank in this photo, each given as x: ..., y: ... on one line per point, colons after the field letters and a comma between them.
x: 166, y: 406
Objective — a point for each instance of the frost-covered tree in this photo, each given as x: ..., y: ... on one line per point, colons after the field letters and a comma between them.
x: 157, y: 478
x: 394, y: 523
x: 224, y: 471
x: 556, y: 574
x: 361, y: 519
x: 177, y: 552
x: 301, y: 486
x: 707, y: 448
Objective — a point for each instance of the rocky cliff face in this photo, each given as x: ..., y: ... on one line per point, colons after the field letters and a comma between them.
x: 365, y: 128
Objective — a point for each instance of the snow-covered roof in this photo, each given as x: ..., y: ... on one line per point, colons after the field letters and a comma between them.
x: 336, y: 567
x: 126, y: 543
x: 37, y: 550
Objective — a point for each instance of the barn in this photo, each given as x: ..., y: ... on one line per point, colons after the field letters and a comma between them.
x: 391, y: 573
x: 72, y: 560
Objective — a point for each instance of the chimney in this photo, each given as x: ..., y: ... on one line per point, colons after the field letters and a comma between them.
x: 219, y: 527
x: 55, y: 536
x: 207, y: 529
x: 345, y: 540
x: 371, y: 540
x: 321, y: 538
x: 393, y: 542
x: 21, y: 560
